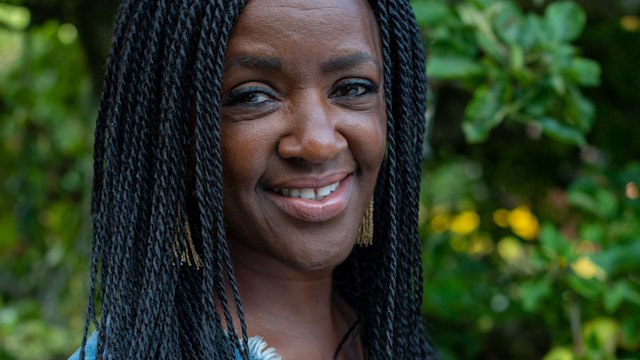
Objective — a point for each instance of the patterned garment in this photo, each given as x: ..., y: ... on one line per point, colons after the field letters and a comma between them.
x: 258, y: 350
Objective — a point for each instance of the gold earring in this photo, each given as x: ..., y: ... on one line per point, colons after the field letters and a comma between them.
x: 365, y: 232
x: 187, y: 244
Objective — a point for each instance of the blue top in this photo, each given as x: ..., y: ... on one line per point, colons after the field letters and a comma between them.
x: 258, y: 350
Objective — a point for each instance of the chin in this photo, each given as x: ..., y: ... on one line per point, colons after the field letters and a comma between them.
x: 318, y: 261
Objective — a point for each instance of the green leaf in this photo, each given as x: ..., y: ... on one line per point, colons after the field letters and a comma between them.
x: 553, y: 243
x: 482, y: 113
x: 508, y: 23
x: 430, y: 13
x: 16, y: 18
x: 8, y: 232
x: 600, y: 202
x: 480, y: 24
x: 540, y: 104
x: 622, y: 290
x: 586, y: 288
x: 516, y: 58
x: 453, y: 67
x: 593, y: 232
x: 580, y: 110
x: 561, y: 132
x: 559, y: 353
x: 586, y: 72
x: 533, y: 292
x: 601, y: 335
x: 620, y: 258
x: 565, y: 20
x: 631, y: 331
x: 558, y: 84
x: 533, y: 32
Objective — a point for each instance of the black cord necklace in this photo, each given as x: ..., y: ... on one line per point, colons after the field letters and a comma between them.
x: 345, y: 337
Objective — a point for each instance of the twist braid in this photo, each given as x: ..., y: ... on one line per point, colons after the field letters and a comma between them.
x: 158, y: 160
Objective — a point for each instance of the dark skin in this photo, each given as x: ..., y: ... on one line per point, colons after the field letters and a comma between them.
x: 303, y: 136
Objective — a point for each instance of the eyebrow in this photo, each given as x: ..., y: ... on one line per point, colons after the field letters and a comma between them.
x: 254, y: 62
x: 274, y: 64
x: 348, y: 61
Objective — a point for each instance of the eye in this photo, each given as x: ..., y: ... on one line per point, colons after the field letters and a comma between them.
x: 249, y: 96
x: 354, y: 88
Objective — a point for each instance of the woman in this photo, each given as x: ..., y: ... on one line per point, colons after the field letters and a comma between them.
x: 241, y: 152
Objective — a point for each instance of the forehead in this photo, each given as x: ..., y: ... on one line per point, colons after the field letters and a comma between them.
x: 297, y: 12
x: 289, y: 27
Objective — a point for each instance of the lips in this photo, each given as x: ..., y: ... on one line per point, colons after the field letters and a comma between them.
x: 310, y: 203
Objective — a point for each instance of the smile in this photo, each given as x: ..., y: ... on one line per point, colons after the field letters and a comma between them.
x: 317, y: 194
x: 313, y: 204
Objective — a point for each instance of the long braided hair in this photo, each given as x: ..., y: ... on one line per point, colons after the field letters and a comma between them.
x: 158, y: 161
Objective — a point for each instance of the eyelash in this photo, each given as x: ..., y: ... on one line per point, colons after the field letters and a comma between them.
x: 242, y: 95
x: 368, y: 86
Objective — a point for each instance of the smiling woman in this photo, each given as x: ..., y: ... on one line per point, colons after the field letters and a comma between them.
x: 303, y: 113
x: 241, y: 153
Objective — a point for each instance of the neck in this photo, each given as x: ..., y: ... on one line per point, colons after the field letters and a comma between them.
x: 295, y: 311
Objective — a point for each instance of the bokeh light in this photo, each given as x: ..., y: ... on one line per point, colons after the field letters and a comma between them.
x: 465, y: 223
x: 523, y: 223
x: 585, y: 268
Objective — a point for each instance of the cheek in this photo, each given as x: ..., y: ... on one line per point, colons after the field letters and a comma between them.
x: 244, y: 154
x: 367, y: 141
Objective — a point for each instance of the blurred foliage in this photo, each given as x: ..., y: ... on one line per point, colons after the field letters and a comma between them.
x: 518, y: 67
x: 529, y: 209
x: 531, y: 221
x: 46, y: 109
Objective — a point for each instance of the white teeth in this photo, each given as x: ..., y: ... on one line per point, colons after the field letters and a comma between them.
x: 309, y: 193
x: 324, y: 191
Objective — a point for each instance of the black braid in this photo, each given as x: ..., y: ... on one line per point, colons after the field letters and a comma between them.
x: 158, y: 160
x: 394, y: 269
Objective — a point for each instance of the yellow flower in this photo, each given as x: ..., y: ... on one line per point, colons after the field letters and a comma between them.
x: 587, y: 269
x: 510, y: 249
x: 465, y: 223
x: 523, y: 223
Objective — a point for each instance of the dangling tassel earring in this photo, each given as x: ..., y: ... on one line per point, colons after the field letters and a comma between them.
x: 365, y: 232
x: 187, y: 243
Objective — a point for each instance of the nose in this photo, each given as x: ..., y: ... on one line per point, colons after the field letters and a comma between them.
x: 314, y: 136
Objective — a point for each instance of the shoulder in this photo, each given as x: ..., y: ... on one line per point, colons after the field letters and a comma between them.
x: 89, y: 349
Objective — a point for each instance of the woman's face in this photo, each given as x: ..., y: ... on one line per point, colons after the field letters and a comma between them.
x: 303, y: 129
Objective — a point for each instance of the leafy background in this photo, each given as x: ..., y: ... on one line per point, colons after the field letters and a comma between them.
x: 529, y: 209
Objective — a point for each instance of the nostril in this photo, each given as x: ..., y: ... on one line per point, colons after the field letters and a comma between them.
x: 316, y: 149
